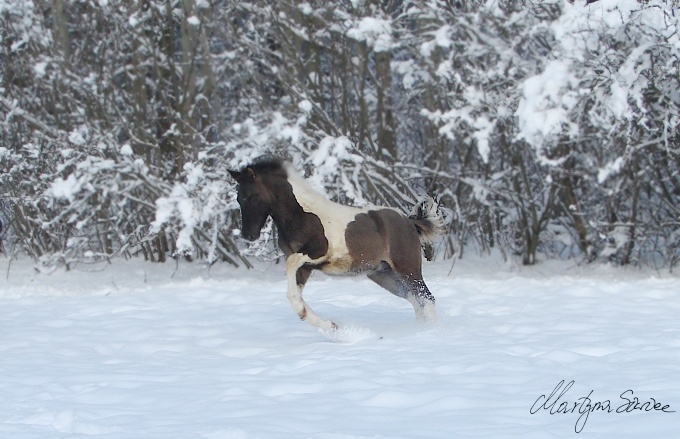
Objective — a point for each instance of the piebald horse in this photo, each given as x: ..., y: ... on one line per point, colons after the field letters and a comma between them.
x: 316, y: 233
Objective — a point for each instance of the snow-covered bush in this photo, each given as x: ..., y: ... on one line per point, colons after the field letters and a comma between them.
x: 545, y: 127
x: 560, y: 113
x: 614, y: 141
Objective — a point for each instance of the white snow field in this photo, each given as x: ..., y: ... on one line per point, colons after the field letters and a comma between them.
x: 136, y: 350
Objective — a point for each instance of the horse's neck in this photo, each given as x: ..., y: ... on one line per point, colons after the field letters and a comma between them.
x: 286, y: 210
x: 298, y: 211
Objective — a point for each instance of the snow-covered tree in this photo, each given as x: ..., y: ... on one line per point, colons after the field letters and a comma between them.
x: 545, y: 127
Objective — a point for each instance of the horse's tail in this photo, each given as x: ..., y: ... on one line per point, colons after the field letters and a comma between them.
x: 429, y: 223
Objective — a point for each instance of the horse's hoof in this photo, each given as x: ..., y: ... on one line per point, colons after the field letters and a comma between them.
x: 334, y: 327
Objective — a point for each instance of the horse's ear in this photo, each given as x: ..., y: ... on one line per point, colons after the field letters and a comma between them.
x: 234, y: 174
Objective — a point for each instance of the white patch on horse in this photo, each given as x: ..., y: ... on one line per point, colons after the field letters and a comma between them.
x: 334, y: 218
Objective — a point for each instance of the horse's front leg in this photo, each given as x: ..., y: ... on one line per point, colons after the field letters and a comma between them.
x: 297, y: 275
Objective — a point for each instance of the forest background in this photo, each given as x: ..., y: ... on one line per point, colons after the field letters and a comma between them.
x: 546, y: 129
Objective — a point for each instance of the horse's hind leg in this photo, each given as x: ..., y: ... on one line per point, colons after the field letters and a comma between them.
x: 413, y: 290
x: 298, y: 275
x: 387, y: 278
x: 423, y: 300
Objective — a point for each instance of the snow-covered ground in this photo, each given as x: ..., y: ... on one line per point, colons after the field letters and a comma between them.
x: 139, y: 350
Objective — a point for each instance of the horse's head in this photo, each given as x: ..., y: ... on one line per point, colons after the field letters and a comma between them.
x: 255, y: 200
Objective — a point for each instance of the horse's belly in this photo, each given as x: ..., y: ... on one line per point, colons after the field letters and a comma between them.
x: 338, y: 266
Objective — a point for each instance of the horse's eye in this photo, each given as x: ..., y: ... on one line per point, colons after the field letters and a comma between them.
x: 252, y: 197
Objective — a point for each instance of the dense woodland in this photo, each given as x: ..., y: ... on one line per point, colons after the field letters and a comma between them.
x: 546, y: 128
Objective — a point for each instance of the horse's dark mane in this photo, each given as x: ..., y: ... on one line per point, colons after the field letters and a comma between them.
x: 267, y: 165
